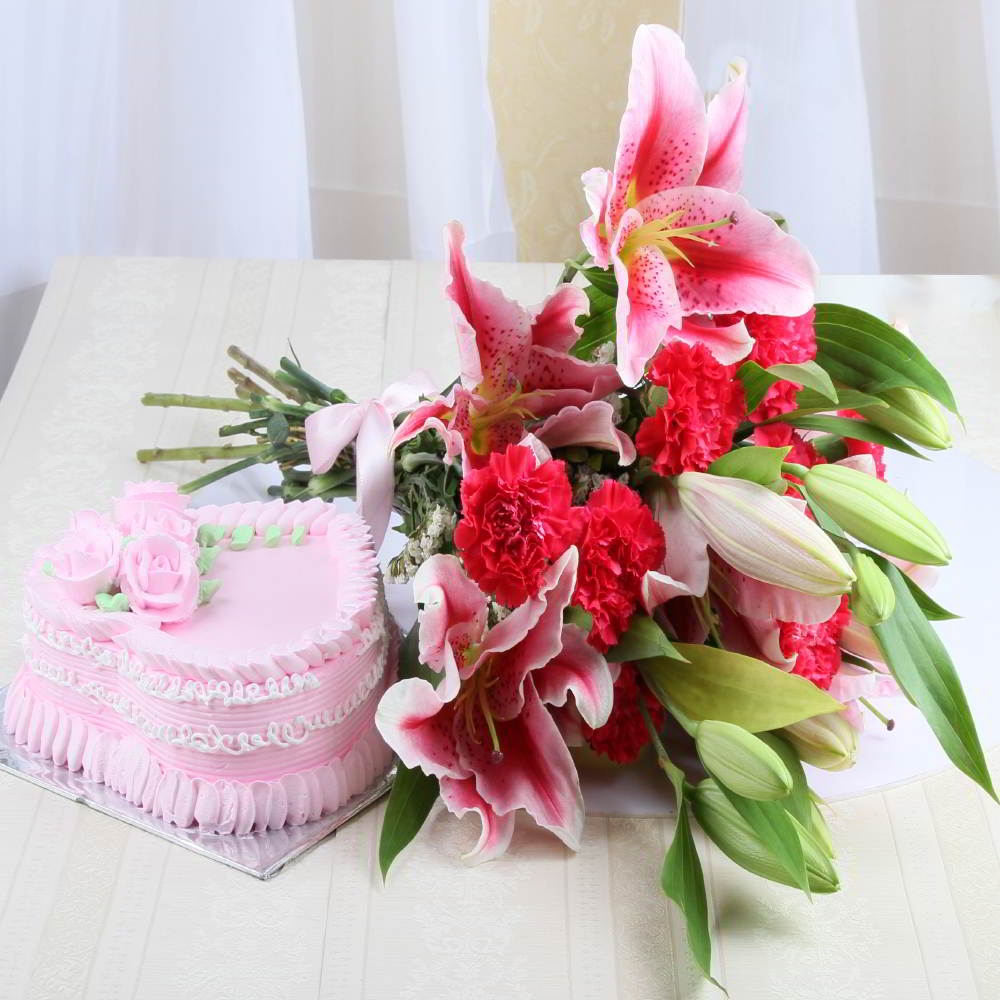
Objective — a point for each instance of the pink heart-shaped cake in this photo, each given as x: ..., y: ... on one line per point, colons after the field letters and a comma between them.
x: 217, y: 666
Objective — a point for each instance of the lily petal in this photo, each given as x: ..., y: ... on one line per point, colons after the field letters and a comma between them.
x: 460, y: 797
x: 536, y: 772
x: 752, y: 265
x: 494, y: 332
x: 664, y: 130
x: 437, y: 414
x: 591, y: 426
x: 376, y: 482
x: 555, y: 380
x: 554, y: 323
x: 452, y: 618
x: 727, y: 131
x: 419, y: 727
x: 597, y: 190
x: 756, y: 599
x: 648, y: 304
x: 582, y: 670
x: 728, y: 344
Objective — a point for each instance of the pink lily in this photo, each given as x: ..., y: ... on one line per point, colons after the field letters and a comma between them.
x: 485, y: 730
x: 668, y: 220
x: 370, y: 424
x: 514, y: 364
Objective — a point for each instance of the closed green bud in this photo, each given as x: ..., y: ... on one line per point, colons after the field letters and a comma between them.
x: 741, y: 761
x: 872, y: 597
x: 911, y: 414
x: 731, y: 833
x: 828, y: 741
x: 877, y: 513
x: 656, y: 398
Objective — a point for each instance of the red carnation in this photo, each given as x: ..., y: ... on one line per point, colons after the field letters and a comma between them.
x: 516, y: 519
x: 816, y: 648
x: 624, y: 735
x: 778, y: 340
x: 704, y: 406
x: 856, y: 447
x: 620, y: 543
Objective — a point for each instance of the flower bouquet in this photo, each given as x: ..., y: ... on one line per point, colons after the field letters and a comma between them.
x: 649, y: 516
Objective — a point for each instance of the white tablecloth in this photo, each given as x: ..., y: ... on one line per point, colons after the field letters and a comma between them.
x: 90, y: 907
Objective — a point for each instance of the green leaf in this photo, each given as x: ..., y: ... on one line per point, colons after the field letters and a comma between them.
x: 717, y: 684
x: 797, y: 802
x: 932, y: 611
x: 848, y: 427
x: 810, y: 401
x: 603, y: 279
x: 599, y: 301
x: 773, y: 825
x: 277, y: 429
x: 863, y: 352
x: 409, y: 659
x: 924, y: 670
x: 643, y: 640
x: 756, y: 380
x: 584, y: 620
x: 410, y: 801
x: 755, y: 463
x: 683, y: 881
x: 597, y: 329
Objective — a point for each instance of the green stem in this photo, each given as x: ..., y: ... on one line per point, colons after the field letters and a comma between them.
x: 200, y: 453
x: 197, y: 402
x: 256, y: 368
x: 572, y: 266
x: 669, y: 768
x: 311, y: 384
x: 794, y: 469
x: 228, y: 430
x: 245, y: 386
x: 889, y: 724
x: 216, y: 474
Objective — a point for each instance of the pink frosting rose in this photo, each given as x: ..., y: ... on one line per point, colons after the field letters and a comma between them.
x: 159, y: 577
x: 85, y: 560
x: 155, y: 508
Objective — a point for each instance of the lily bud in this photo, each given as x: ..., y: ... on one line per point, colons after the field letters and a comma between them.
x: 872, y: 598
x: 763, y: 535
x: 911, y: 414
x: 737, y: 840
x: 827, y: 741
x: 741, y: 761
x: 877, y: 513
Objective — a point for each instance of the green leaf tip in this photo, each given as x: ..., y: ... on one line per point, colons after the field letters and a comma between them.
x: 412, y: 797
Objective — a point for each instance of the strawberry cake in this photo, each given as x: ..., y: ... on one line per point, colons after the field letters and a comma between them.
x: 216, y: 666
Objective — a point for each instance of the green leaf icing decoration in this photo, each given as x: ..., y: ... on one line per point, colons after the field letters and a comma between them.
x: 47, y: 568
x: 207, y: 557
x: 298, y: 534
x: 241, y: 537
x: 207, y: 590
x: 272, y: 536
x: 211, y: 534
x: 111, y: 602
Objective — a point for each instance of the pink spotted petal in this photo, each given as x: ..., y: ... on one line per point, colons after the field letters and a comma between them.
x: 847, y: 686
x: 556, y: 379
x: 461, y: 797
x: 753, y: 266
x: 686, y: 565
x: 419, y: 727
x: 593, y: 230
x: 727, y: 131
x: 436, y: 415
x: 582, y: 670
x: 658, y: 588
x: 554, y: 323
x: 590, y: 426
x: 494, y: 332
x: 648, y: 305
x: 537, y: 644
x: 728, y: 344
x: 756, y: 599
x: 664, y: 130
x: 452, y: 617
x: 536, y: 772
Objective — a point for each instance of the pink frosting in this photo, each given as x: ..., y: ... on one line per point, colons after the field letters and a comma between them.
x: 255, y: 711
x: 85, y: 560
x: 159, y: 576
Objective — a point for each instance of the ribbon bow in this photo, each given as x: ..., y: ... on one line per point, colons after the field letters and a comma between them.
x: 370, y: 424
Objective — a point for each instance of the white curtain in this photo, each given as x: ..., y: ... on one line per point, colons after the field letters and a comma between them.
x: 808, y: 153
x: 167, y: 127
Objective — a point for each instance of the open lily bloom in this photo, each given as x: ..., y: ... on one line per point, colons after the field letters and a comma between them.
x: 515, y: 364
x: 485, y: 730
x: 681, y: 241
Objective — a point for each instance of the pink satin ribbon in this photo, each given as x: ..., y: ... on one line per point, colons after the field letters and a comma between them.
x: 370, y: 425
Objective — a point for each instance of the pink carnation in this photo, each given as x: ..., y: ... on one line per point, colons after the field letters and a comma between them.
x: 704, y: 407
x: 856, y: 447
x: 624, y: 735
x: 816, y: 648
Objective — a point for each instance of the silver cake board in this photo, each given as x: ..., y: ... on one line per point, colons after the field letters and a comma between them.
x: 261, y: 855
